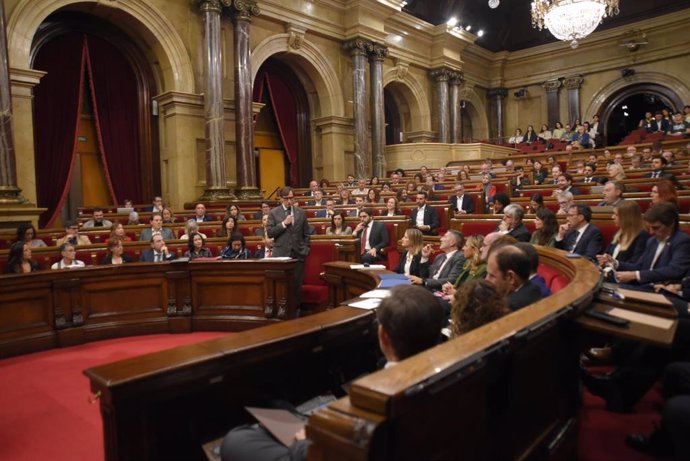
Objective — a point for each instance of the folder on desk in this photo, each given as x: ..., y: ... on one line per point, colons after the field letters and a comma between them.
x: 282, y: 424
x: 392, y: 280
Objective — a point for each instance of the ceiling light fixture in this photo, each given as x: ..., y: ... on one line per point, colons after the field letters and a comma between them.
x: 452, y: 21
x: 571, y: 19
x: 480, y: 33
x: 493, y: 4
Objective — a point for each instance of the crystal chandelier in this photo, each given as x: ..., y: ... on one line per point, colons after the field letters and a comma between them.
x: 571, y: 19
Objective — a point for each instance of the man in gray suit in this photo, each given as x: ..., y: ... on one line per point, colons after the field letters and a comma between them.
x: 447, y: 266
x: 156, y: 228
x: 288, y: 226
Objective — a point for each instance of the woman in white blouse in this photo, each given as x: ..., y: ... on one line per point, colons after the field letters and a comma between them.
x: 411, y: 261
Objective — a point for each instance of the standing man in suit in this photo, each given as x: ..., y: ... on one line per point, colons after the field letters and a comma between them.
x: 666, y: 256
x: 512, y: 225
x: 288, y: 226
x: 158, y: 252
x: 508, y: 269
x: 461, y: 203
x: 424, y: 218
x: 373, y: 236
x: 447, y: 266
x: 578, y: 235
x: 156, y: 228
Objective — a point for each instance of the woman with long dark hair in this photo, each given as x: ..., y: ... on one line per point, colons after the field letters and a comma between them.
x: 546, y: 226
x: 20, y: 261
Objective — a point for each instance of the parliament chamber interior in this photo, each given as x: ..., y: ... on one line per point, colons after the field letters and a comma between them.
x: 211, y: 207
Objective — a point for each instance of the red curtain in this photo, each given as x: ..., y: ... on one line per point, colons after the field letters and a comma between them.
x: 114, y: 94
x: 57, y: 103
x: 284, y: 108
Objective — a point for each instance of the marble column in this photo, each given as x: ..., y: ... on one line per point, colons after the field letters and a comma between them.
x: 378, y: 117
x: 552, y: 105
x: 573, y: 84
x: 441, y: 76
x: 10, y: 194
x: 216, y: 169
x: 455, y: 108
x: 497, y: 96
x: 359, y: 48
x: 242, y: 12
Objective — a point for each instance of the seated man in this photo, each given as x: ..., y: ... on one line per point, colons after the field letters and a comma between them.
x: 512, y: 223
x: 534, y: 277
x: 565, y: 184
x: 424, y: 217
x: 589, y: 178
x: 313, y: 187
x: 508, y: 269
x: 265, y: 208
x: 328, y: 211
x: 156, y: 228
x: 72, y: 235
x: 679, y: 127
x: 158, y: 252
x: 447, y: 266
x: 461, y: 203
x: 613, y: 193
x: 373, y: 237
x: 658, y: 169
x: 359, y: 204
x: 565, y: 202
x: 317, y: 199
x: 200, y: 213
x: 157, y: 205
x: 362, y: 188
x: 98, y: 220
x: 578, y: 235
x: 666, y: 256
x: 410, y: 321
x: 267, y: 250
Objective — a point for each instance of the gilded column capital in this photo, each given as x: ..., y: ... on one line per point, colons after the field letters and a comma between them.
x: 457, y: 78
x: 574, y: 82
x: 358, y: 46
x: 212, y: 6
x: 378, y: 52
x: 552, y: 86
x: 498, y: 92
x: 442, y: 74
x: 242, y: 9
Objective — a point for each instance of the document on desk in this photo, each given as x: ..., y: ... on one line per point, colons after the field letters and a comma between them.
x: 645, y: 296
x: 378, y: 267
x: 281, y: 423
x: 644, y: 319
x: 376, y: 294
x: 370, y: 303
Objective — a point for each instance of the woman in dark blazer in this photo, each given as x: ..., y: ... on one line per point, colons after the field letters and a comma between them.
x: 116, y: 254
x: 411, y: 259
x: 629, y: 242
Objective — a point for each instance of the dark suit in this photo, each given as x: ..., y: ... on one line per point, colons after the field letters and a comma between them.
x: 663, y: 125
x: 378, y: 239
x: 450, y: 271
x: 520, y: 233
x: 430, y: 219
x: 634, y: 251
x: 166, y: 233
x: 291, y: 241
x: 258, y: 215
x: 147, y: 256
x: 109, y: 259
x: 539, y: 282
x: 527, y: 294
x: 594, y: 180
x: 321, y: 213
x: 467, y: 204
x: 661, y: 174
x: 574, y: 190
x: 206, y: 218
x: 416, y: 266
x: 673, y: 262
x: 590, y: 244
x: 313, y: 203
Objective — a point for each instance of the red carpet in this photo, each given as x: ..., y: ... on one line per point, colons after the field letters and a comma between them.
x: 44, y: 397
x: 46, y: 414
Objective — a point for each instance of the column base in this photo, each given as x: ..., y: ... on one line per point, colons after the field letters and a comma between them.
x: 249, y: 193
x: 217, y: 194
x: 10, y: 195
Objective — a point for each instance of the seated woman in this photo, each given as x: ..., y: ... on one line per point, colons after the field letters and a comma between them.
x: 234, y: 211
x: 19, y: 259
x: 411, y: 260
x: 235, y: 248
x: 474, y: 267
x: 228, y: 227
x: 26, y: 233
x: 539, y: 173
x: 664, y: 191
x: 489, y: 191
x: 581, y: 138
x: 345, y: 198
x: 191, y: 228
x: 630, y: 241
x: 392, y: 208
x: 476, y: 304
x: 338, y: 226
x: 615, y: 172
x: 463, y: 176
x: 558, y: 131
x: 263, y: 230
x: 546, y: 228
x: 68, y: 260
x: 373, y: 196
x: 536, y: 202
x: 196, y: 247
x: 118, y: 232
x: 544, y: 133
x: 168, y: 216
x: 516, y: 138
x: 530, y: 136
x: 374, y: 181
x: 116, y: 253
x: 133, y: 218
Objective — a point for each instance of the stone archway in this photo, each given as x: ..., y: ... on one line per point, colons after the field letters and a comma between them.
x: 477, y: 112
x: 410, y: 98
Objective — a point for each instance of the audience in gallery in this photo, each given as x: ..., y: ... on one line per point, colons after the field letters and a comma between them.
x: 196, y: 247
x: 236, y: 248
x: 530, y: 136
x: 72, y: 235
x: 664, y: 191
x: 191, y: 227
x: 68, y: 259
x: 116, y: 253
x: 338, y: 226
x: 26, y: 232
x: 19, y: 259
x: 546, y: 228
x: 412, y: 261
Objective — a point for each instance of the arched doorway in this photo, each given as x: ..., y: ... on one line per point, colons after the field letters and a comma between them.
x: 397, y: 112
x: 94, y: 137
x: 282, y: 128
x: 466, y: 133
x: 623, y: 110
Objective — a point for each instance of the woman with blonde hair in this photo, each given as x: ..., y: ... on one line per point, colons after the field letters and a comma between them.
x: 629, y: 242
x: 616, y: 172
x: 474, y: 267
x: 411, y: 259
